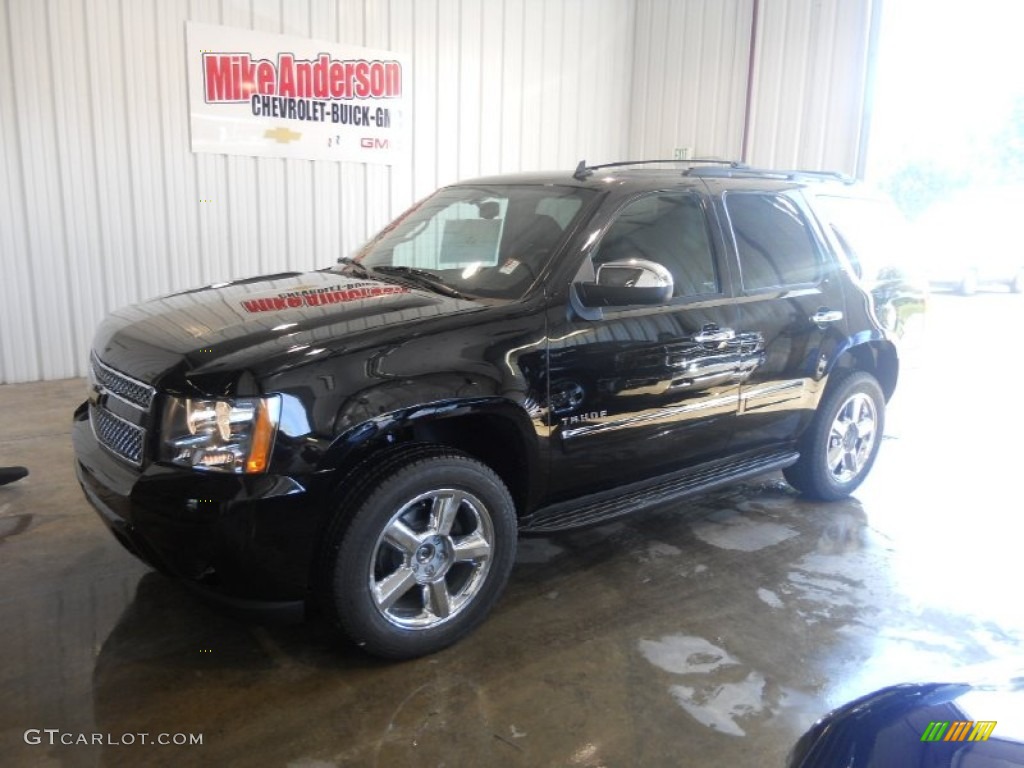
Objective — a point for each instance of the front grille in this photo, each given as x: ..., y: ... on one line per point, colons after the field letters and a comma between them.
x: 119, y: 385
x: 117, y: 435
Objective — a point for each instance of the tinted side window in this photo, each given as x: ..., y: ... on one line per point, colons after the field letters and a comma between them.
x: 774, y: 243
x: 669, y: 229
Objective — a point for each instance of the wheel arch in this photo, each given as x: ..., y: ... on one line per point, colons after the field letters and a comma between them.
x: 872, y: 354
x: 495, y: 431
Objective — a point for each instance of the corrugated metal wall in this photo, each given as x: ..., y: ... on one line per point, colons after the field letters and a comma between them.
x: 690, y: 77
x: 102, y: 203
x: 807, y: 93
x: 810, y: 83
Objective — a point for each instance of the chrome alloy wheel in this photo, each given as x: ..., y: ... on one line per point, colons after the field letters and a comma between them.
x: 851, y: 438
x: 431, y: 559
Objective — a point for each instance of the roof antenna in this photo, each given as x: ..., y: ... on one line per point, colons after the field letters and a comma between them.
x: 582, y: 172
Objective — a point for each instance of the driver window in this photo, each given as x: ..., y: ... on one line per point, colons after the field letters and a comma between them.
x: 668, y: 229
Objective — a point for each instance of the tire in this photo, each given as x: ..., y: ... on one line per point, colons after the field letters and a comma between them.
x: 840, y: 446
x: 417, y: 560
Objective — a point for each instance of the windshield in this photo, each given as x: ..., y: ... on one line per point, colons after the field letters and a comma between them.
x: 481, y: 241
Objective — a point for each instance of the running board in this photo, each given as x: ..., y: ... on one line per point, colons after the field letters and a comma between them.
x: 608, y: 505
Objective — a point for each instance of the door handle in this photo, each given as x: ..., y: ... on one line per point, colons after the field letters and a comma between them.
x: 711, y: 334
x: 825, y: 316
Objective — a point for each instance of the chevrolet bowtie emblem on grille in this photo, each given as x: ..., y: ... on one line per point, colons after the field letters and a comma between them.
x: 98, y: 394
x: 281, y: 135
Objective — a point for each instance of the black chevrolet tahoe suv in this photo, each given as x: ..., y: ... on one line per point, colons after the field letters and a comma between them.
x: 513, y: 355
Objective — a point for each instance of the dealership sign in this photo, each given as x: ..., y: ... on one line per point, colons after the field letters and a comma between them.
x: 253, y: 93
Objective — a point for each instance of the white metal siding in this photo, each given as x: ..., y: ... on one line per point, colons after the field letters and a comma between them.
x: 810, y: 83
x: 690, y: 77
x: 102, y: 203
x: 808, y: 89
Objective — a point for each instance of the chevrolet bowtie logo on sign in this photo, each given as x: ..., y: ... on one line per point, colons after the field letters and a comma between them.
x: 959, y: 730
x: 281, y: 135
x: 265, y: 95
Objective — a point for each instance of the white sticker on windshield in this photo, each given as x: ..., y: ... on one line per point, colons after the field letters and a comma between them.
x: 509, y: 267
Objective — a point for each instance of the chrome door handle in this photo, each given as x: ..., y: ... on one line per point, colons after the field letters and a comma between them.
x: 825, y: 316
x: 710, y: 334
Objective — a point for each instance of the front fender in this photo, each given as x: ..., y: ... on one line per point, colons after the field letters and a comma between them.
x: 490, y: 427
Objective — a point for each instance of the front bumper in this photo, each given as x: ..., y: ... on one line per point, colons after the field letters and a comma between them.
x: 247, y: 540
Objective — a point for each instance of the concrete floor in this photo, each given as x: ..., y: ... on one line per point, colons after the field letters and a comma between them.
x: 709, y: 636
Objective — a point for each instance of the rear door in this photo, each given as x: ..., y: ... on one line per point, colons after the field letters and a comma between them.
x: 789, y: 301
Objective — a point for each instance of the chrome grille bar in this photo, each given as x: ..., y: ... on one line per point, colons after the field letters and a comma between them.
x: 119, y: 385
x: 118, y: 436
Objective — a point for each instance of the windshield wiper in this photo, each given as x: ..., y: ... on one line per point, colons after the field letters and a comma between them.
x: 354, y: 265
x: 420, y: 277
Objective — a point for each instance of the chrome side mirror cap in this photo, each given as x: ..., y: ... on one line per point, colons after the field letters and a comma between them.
x: 635, y: 273
x: 628, y: 282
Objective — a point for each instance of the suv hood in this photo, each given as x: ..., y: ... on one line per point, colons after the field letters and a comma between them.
x: 261, y: 325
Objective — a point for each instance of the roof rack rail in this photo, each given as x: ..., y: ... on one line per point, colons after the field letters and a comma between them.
x: 771, y: 173
x: 584, y: 171
x: 845, y: 178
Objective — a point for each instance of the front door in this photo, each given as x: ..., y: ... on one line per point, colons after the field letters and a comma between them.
x: 640, y: 391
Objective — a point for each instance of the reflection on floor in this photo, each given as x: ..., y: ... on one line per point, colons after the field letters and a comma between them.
x: 709, y: 635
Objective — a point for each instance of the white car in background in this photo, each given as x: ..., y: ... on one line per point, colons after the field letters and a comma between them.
x: 973, y: 240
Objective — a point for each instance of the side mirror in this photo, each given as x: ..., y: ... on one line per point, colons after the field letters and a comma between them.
x: 626, y: 282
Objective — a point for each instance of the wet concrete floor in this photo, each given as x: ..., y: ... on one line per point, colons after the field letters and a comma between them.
x: 709, y: 635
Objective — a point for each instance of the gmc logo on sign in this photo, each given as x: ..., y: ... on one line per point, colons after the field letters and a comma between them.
x: 369, y: 143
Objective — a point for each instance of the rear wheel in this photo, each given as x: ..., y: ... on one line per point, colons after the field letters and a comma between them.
x: 424, y: 557
x: 839, y: 448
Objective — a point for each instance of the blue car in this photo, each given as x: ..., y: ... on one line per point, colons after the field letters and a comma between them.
x: 930, y: 725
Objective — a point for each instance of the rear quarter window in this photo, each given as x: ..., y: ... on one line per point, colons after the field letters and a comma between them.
x: 873, y: 232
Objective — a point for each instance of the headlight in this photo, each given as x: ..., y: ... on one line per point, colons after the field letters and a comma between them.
x: 225, y: 435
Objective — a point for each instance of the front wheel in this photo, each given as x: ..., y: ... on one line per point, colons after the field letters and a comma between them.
x: 841, y: 444
x: 424, y: 557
